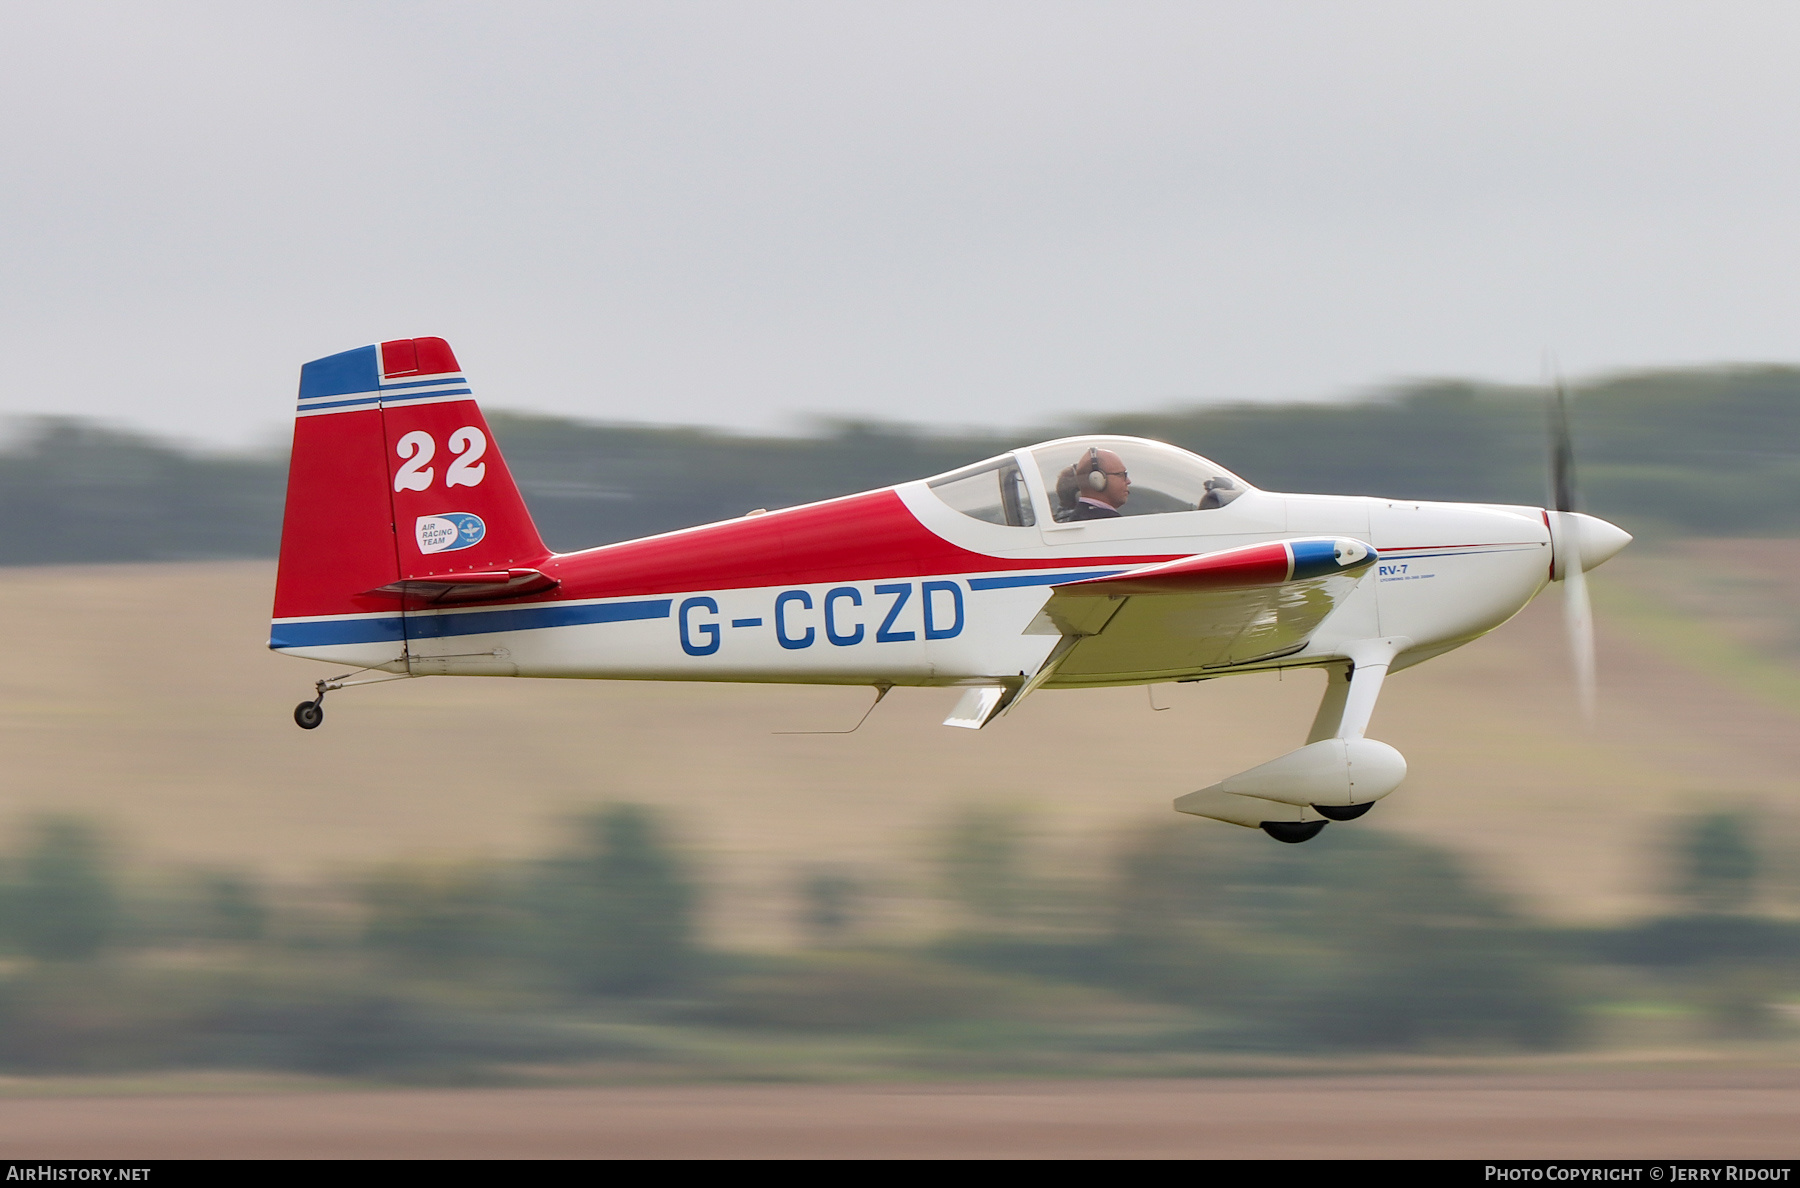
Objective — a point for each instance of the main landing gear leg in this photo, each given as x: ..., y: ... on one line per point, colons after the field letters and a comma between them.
x: 1350, y: 693
x: 1336, y: 776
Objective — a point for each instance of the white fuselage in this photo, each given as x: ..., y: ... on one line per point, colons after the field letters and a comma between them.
x: 1447, y: 573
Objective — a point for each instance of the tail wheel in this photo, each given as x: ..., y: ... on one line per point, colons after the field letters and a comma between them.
x: 308, y: 715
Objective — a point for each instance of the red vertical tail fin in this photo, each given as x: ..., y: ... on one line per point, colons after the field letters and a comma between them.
x: 395, y: 476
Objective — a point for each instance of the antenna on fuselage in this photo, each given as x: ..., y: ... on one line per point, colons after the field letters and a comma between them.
x: 881, y: 691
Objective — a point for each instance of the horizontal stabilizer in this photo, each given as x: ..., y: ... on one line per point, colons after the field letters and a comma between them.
x: 496, y: 585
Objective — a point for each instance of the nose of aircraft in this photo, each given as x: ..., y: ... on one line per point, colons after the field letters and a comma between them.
x: 1600, y: 540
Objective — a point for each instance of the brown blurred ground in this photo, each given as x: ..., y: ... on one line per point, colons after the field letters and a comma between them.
x: 144, y: 697
x: 1617, y: 1116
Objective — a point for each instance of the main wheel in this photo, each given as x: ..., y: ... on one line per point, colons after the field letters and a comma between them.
x: 1293, y: 832
x: 308, y: 715
x: 1343, y: 812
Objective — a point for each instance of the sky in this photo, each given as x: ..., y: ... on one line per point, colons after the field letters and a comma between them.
x: 997, y: 214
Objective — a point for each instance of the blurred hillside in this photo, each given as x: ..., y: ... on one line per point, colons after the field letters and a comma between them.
x: 1708, y: 452
x: 144, y: 696
x: 1179, y: 950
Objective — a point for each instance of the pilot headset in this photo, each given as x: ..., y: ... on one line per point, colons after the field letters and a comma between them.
x: 1096, y: 475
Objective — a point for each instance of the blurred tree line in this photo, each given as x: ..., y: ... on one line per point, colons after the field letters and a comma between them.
x: 1710, y: 452
x: 1190, y: 940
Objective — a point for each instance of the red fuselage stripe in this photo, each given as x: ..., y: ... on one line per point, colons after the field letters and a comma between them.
x: 858, y: 538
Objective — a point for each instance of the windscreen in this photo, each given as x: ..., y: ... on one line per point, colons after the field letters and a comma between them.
x: 993, y: 491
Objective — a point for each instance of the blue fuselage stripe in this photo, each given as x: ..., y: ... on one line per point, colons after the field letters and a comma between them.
x: 1037, y: 579
x: 386, y: 629
x: 391, y: 628
x: 528, y: 618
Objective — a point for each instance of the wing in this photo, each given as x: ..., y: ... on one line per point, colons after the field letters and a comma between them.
x: 1185, y: 617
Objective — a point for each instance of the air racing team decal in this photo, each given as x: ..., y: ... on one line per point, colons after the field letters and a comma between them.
x: 447, y: 532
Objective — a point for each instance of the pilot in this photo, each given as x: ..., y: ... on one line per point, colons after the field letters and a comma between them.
x: 1095, y: 488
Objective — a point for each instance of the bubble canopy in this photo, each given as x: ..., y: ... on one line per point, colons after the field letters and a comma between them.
x: 1142, y: 478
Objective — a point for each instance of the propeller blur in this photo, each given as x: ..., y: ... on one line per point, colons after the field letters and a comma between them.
x: 1090, y: 561
x: 1578, y: 612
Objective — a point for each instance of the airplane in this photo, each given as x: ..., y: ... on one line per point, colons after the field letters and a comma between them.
x: 1089, y: 561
